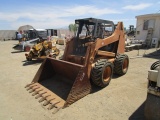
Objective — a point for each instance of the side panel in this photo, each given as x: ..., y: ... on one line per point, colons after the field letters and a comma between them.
x: 118, y: 35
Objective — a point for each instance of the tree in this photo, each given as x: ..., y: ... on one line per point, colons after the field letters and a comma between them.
x: 73, y: 28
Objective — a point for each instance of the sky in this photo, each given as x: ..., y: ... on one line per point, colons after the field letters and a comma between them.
x: 55, y: 14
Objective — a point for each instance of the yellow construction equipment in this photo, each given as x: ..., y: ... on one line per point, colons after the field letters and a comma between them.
x: 42, y: 50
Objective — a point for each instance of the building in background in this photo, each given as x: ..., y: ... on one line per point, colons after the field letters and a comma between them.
x: 146, y: 22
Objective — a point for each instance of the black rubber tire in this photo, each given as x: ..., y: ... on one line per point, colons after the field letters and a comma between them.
x: 119, y: 64
x: 97, y: 72
x: 54, y: 56
x: 155, y: 65
x: 29, y: 57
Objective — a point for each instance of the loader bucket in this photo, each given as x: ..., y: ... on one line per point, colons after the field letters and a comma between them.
x: 60, y: 83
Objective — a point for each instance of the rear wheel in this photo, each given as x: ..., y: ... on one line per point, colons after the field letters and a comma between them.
x: 121, y: 64
x: 155, y: 65
x: 101, y: 73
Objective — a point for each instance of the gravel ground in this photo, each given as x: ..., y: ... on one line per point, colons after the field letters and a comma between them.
x: 123, y: 99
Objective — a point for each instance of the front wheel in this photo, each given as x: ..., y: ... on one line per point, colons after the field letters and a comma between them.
x: 30, y: 56
x: 101, y: 73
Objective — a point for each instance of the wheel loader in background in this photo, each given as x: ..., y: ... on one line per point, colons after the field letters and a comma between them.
x: 42, y: 50
x: 92, y: 55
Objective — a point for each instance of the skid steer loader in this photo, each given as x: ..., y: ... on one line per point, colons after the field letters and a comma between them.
x: 93, y: 54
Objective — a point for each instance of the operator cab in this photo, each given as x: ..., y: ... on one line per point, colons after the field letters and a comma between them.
x: 94, y: 28
x: 89, y: 30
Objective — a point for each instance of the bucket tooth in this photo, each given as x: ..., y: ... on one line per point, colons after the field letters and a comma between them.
x: 53, y: 102
x: 29, y: 88
x: 40, y: 94
x: 37, y: 91
x: 50, y: 107
x: 45, y: 103
x: 32, y: 85
x: 29, y: 84
x: 30, y: 91
x: 44, y: 97
x: 55, y: 110
x: 48, y: 100
x: 59, y: 105
x: 35, y: 87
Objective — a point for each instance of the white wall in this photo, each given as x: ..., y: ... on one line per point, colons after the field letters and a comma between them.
x: 143, y: 33
x: 139, y: 27
x: 157, y: 28
x: 7, y: 34
x: 66, y: 32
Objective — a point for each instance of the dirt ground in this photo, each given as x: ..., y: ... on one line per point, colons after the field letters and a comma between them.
x: 123, y: 99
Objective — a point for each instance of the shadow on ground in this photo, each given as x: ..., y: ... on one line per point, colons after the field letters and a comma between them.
x: 139, y: 113
x: 96, y: 88
x: 147, y: 53
x: 17, y: 52
x: 155, y: 54
x: 33, y: 62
